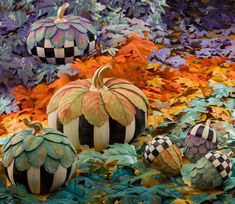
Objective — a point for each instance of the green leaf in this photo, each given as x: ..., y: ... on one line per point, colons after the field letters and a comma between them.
x: 200, y: 198
x: 124, y: 153
x: 185, y: 170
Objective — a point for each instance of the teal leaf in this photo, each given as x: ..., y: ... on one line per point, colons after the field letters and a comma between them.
x: 58, y: 39
x: 70, y: 34
x: 79, y: 28
x: 51, y: 165
x: 50, y: 32
x: 68, y: 157
x: 22, y: 162
x: 38, y: 156
x: 63, y: 26
x: 31, y: 40
x: 32, y: 142
x: 200, y: 198
x: 40, y: 33
x: 54, y: 150
x: 229, y: 184
x: 123, y: 153
x: 185, y: 171
x: 81, y: 40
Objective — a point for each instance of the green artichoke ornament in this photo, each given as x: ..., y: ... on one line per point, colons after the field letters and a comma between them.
x: 211, y: 171
x: 41, y: 159
x: 61, y: 39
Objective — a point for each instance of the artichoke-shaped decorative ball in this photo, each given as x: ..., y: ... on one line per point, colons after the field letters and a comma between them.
x: 98, y: 112
x: 200, y: 140
x: 59, y: 40
x: 164, y: 155
x: 211, y: 171
x: 41, y: 159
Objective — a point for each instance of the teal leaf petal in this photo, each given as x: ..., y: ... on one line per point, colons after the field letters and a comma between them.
x: 81, y: 40
x: 70, y: 34
x: 54, y: 150
x: 50, y: 32
x: 36, y: 26
x: 79, y: 28
x: 68, y: 157
x: 63, y: 26
x: 30, y: 40
x: 39, y: 34
x: 51, y: 165
x: 38, y: 156
x: 32, y: 142
x: 49, y: 24
x: 22, y: 162
x: 58, y: 39
x: 89, y: 27
x: 7, y: 158
x: 53, y: 138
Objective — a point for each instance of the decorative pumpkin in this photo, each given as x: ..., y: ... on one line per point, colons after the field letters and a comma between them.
x: 211, y: 171
x: 98, y: 112
x: 41, y: 159
x: 200, y: 140
x: 59, y: 40
x: 164, y: 155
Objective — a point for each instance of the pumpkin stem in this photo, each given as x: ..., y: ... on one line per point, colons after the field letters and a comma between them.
x: 231, y: 154
x: 60, y: 13
x: 98, y: 78
x: 36, y: 126
x: 208, y: 122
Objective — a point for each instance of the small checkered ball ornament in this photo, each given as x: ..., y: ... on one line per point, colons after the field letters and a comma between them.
x: 211, y: 171
x: 163, y: 155
x: 61, y: 39
x: 200, y: 139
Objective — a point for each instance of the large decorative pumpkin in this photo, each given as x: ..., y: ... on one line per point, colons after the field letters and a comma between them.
x: 59, y: 40
x: 41, y: 159
x: 98, y: 112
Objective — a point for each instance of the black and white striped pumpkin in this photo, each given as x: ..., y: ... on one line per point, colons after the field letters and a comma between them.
x: 61, y: 39
x: 98, y: 112
x: 41, y: 159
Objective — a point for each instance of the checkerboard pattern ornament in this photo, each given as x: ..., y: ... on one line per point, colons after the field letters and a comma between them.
x: 155, y: 147
x: 204, y: 131
x: 47, y: 53
x: 221, y: 162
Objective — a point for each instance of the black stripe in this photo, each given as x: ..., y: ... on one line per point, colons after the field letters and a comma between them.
x: 46, y: 180
x: 139, y: 123
x: 117, y: 132
x: 68, y: 173
x: 210, y: 135
x: 86, y: 132
x: 20, y: 177
x: 59, y: 125
x: 199, y: 131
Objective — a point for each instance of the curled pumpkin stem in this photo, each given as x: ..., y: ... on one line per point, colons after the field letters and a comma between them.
x: 61, y: 11
x: 36, y: 126
x: 98, y: 78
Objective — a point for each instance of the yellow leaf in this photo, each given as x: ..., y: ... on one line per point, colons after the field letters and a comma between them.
x: 156, y: 82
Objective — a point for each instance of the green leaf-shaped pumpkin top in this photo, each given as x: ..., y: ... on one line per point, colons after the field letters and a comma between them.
x: 97, y: 99
x: 59, y: 28
x: 35, y: 147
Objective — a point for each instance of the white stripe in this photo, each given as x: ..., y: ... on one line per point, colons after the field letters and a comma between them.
x: 59, y: 178
x: 71, y: 173
x: 71, y: 130
x: 205, y: 132
x: 52, y: 118
x: 101, y: 136
x: 91, y: 46
x: 214, y: 137
x: 146, y: 120
x: 130, y: 131
x: 10, y: 172
x: 194, y: 130
x: 33, y: 176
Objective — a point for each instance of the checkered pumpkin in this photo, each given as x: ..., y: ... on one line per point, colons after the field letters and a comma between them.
x: 162, y: 153
x: 200, y: 139
x: 211, y: 171
x: 61, y: 39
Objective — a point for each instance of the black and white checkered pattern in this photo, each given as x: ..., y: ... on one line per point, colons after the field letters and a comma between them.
x: 155, y: 147
x: 204, y: 131
x: 45, y: 51
x: 221, y: 162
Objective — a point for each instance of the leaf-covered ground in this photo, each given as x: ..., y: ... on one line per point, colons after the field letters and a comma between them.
x: 183, y: 60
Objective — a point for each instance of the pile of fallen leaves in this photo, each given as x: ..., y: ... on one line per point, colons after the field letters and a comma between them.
x: 188, y: 76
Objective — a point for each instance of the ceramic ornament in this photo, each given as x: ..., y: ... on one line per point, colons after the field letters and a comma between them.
x: 99, y: 111
x: 41, y: 159
x: 61, y: 39
x: 164, y: 155
x: 200, y: 140
x: 211, y: 171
